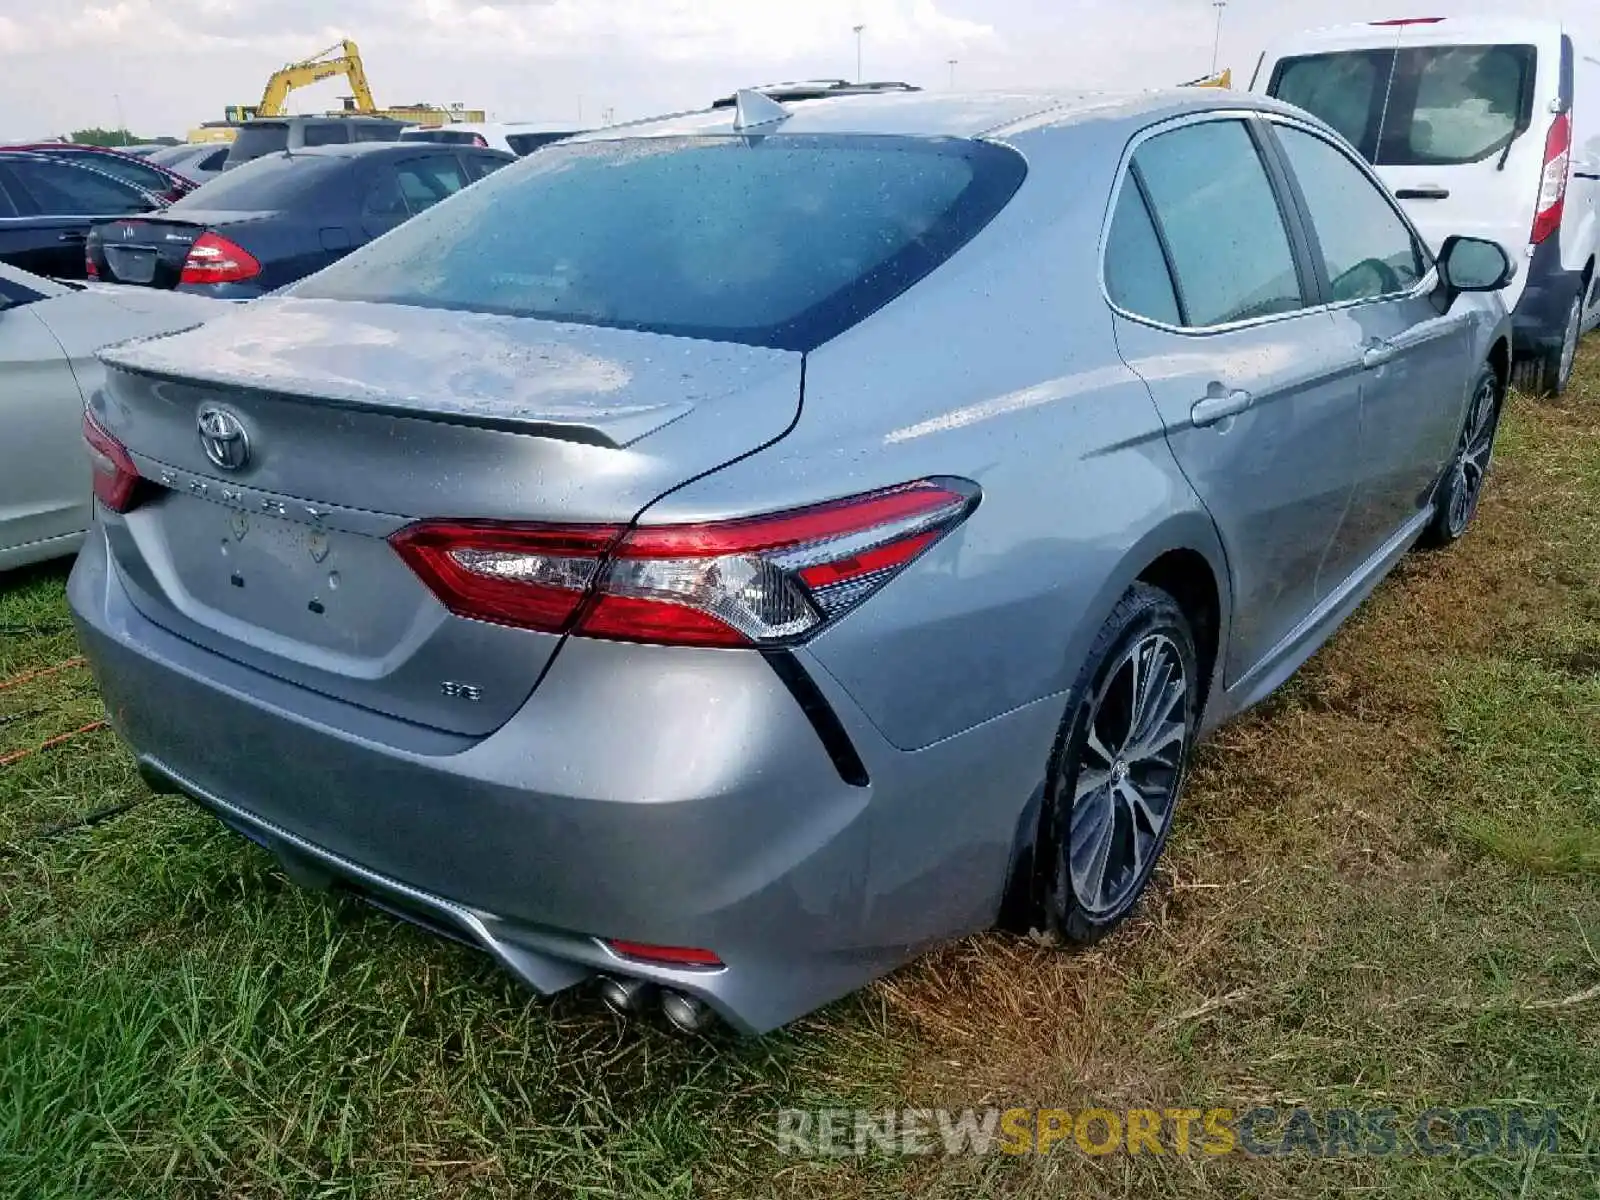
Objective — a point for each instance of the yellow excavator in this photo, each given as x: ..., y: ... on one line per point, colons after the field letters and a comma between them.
x: 342, y: 58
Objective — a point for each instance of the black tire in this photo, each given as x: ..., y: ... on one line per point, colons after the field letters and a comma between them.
x: 1548, y: 372
x: 1456, y: 501
x: 1149, y: 630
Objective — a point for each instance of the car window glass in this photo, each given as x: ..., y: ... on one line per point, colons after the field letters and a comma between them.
x: 1465, y: 103
x: 778, y: 241
x: 325, y: 135
x: 212, y: 161
x: 63, y: 190
x: 375, y: 131
x: 426, y: 181
x: 384, y: 198
x: 479, y: 165
x: 141, y: 175
x: 1345, y: 89
x: 1229, y: 246
x: 1368, y: 249
x: 527, y: 143
x: 8, y: 207
x: 1137, y: 278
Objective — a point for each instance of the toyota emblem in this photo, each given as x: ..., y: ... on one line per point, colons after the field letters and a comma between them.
x: 223, y: 438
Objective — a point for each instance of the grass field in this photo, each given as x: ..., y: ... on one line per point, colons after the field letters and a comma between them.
x: 1384, y: 893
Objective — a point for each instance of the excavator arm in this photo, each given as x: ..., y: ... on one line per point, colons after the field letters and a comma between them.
x: 345, y: 60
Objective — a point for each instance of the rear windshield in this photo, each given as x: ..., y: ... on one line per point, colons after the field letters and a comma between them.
x: 450, y: 137
x: 527, y: 143
x: 258, y: 138
x: 775, y: 241
x: 1420, y: 106
x: 269, y: 184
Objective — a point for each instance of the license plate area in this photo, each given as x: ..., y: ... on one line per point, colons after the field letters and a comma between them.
x: 132, y: 264
x: 315, y: 585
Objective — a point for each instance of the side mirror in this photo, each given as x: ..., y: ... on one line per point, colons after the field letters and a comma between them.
x: 1469, y: 264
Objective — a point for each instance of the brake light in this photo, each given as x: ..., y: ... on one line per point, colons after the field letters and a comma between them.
x: 214, y: 259
x: 671, y: 956
x: 116, y: 479
x: 756, y: 581
x: 1553, y: 183
x: 91, y: 269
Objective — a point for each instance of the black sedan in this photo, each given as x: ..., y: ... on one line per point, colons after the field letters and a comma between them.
x: 48, y: 204
x: 278, y: 218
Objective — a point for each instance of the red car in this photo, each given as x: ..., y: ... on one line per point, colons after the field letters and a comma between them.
x: 143, y: 174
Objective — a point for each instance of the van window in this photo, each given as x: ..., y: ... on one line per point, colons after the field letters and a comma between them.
x: 1214, y: 204
x: 325, y: 135
x: 1418, y: 106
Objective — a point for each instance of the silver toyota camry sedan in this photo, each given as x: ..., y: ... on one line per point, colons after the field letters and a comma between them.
x: 724, y: 556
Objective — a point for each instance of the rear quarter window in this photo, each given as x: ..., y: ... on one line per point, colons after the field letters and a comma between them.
x: 780, y: 241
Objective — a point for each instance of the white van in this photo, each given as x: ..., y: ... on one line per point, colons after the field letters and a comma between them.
x: 1479, y: 126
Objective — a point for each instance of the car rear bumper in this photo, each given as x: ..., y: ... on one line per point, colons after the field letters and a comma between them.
x: 672, y: 797
x: 1539, y: 320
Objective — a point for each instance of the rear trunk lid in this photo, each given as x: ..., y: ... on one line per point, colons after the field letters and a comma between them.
x: 150, y: 251
x: 359, y: 419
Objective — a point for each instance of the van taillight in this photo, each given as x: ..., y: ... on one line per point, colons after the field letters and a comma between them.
x: 214, y: 259
x: 754, y: 581
x: 1553, y: 183
x: 116, y: 479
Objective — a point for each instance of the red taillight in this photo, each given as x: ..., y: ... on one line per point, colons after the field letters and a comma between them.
x: 1553, y: 183
x: 672, y: 956
x: 756, y: 581
x: 91, y: 269
x: 214, y: 259
x: 116, y: 479
x: 533, y: 576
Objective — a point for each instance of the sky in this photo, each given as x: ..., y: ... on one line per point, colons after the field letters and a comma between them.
x: 167, y: 65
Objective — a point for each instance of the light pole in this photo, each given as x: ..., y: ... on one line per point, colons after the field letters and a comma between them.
x: 1216, y: 44
x: 952, y: 63
x: 858, y: 29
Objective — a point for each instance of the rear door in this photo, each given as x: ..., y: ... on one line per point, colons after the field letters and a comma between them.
x: 66, y: 199
x: 44, y: 479
x: 1379, y: 278
x: 1220, y: 315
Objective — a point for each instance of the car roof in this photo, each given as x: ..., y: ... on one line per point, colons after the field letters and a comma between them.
x: 949, y: 114
x: 1468, y: 31
x: 379, y: 150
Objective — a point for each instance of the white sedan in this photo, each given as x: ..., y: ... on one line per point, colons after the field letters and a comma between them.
x: 49, y: 334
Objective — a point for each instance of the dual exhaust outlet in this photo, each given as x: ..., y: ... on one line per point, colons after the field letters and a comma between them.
x: 628, y: 997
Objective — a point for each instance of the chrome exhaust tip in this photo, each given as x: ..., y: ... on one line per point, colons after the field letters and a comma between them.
x: 626, y: 997
x: 685, y: 1013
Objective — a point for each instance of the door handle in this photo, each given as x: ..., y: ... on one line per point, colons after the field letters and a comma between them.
x: 1219, y: 407
x: 1433, y: 192
x: 1376, y: 353
x: 73, y: 235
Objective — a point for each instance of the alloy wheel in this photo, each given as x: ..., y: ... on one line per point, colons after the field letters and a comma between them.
x: 1472, y: 460
x: 1129, y: 773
